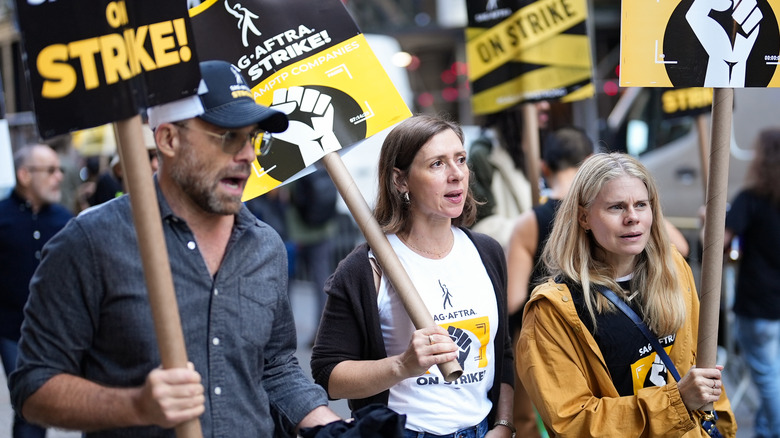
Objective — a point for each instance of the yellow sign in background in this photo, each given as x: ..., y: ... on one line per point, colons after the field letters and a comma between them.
x: 530, y: 56
x: 526, y: 28
x: 643, y: 29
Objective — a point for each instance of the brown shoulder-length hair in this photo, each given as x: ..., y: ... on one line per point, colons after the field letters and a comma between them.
x: 398, y: 151
x: 762, y: 178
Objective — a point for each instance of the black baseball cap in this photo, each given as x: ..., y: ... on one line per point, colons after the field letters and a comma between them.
x: 224, y: 99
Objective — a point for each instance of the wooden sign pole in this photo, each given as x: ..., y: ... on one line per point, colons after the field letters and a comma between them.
x: 701, y: 129
x: 154, y: 253
x: 531, y: 148
x: 714, y: 223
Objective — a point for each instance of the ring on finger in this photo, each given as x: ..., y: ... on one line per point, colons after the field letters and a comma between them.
x: 430, y: 339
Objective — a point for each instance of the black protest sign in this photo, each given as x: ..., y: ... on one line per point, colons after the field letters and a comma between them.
x: 271, y: 35
x: 92, y: 63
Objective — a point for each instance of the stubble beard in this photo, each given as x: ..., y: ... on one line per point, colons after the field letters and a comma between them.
x: 201, y: 186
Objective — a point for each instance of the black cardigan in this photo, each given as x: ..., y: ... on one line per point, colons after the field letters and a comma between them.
x: 350, y: 329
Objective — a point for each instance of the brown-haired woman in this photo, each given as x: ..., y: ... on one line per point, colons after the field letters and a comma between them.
x: 367, y: 349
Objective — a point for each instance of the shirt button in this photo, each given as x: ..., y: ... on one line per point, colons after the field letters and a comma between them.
x: 37, y: 255
x: 216, y: 292
x: 36, y: 235
x: 191, y: 244
x: 215, y: 341
x: 565, y: 298
x: 218, y: 390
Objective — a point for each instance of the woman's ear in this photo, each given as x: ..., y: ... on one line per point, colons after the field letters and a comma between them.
x: 582, y: 218
x: 399, y: 180
x: 167, y: 138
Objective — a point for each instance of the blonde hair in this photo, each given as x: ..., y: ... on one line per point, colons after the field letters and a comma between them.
x: 573, y: 253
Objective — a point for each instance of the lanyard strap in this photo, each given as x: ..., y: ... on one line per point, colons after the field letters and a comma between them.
x: 611, y: 296
x: 709, y: 419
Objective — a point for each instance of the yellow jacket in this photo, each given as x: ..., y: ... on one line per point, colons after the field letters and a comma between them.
x: 565, y: 374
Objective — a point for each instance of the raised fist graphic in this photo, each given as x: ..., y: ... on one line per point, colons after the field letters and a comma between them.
x: 463, y: 341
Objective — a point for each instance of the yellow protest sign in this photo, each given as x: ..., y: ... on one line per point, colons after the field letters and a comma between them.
x: 699, y: 43
x: 309, y: 61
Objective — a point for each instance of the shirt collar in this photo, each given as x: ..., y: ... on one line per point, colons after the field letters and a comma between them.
x: 24, y: 203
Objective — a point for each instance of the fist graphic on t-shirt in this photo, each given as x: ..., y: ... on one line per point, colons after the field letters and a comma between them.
x: 463, y: 341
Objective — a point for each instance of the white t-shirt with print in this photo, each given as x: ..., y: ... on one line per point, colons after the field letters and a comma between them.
x: 458, y: 293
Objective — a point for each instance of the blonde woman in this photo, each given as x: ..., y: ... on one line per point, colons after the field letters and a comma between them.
x: 586, y: 365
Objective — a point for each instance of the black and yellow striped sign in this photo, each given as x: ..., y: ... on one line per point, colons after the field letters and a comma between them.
x: 520, y: 51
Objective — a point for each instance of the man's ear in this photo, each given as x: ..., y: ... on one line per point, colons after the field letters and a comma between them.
x: 23, y: 176
x: 167, y: 137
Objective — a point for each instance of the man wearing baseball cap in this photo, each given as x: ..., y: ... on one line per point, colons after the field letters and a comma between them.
x: 88, y: 355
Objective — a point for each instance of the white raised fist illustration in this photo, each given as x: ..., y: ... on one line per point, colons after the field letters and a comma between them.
x: 728, y: 61
x: 311, y: 121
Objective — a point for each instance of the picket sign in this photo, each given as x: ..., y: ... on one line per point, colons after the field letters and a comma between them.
x: 664, y: 44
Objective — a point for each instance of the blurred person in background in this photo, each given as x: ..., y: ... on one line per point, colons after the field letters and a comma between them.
x: 110, y: 184
x: 29, y: 217
x: 498, y: 178
x: 312, y: 223
x: 70, y: 161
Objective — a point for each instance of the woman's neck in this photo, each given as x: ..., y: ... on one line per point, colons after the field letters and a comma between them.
x: 431, y: 243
